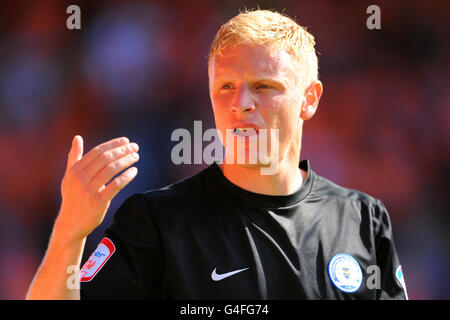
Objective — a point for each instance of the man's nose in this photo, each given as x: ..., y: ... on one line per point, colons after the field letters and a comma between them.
x: 243, y: 101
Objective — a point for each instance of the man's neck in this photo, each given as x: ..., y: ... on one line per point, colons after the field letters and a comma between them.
x: 288, y: 178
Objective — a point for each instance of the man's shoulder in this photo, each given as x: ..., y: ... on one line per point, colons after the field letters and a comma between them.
x: 186, y: 188
x: 325, y: 187
x: 349, y: 202
x: 168, y: 208
x: 176, y: 197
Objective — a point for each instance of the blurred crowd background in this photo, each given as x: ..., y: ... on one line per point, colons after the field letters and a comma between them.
x: 139, y: 69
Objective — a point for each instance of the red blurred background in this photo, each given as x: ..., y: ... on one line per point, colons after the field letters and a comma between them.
x: 138, y: 69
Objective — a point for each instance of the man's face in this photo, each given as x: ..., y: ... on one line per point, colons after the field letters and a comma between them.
x: 257, y: 87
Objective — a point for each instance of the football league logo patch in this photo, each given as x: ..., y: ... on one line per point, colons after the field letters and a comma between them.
x: 401, y: 279
x: 97, y: 260
x: 345, y: 272
x: 399, y: 274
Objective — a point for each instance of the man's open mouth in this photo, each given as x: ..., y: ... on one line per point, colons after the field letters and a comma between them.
x: 245, y: 132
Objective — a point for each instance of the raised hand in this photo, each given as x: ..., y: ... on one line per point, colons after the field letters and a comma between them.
x: 86, y: 193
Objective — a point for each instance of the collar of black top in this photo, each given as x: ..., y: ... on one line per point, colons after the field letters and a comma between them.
x: 263, y: 200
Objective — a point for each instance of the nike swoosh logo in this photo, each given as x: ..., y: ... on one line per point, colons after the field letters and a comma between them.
x: 218, y: 277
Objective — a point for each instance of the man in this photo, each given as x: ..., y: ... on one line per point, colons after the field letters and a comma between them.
x: 229, y: 232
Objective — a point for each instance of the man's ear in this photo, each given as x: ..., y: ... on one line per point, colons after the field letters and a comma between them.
x: 311, y: 100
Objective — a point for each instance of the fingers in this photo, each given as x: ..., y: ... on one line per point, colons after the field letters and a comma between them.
x: 76, y: 151
x: 118, y: 183
x: 111, y: 169
x: 100, y: 149
x: 108, y: 157
x: 86, y: 197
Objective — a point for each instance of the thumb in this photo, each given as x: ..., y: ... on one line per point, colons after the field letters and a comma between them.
x: 76, y: 151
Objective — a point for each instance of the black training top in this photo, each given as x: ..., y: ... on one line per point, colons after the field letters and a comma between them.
x: 206, y: 238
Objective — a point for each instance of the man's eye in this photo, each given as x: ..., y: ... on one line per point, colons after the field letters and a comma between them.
x: 227, y: 86
x: 262, y: 86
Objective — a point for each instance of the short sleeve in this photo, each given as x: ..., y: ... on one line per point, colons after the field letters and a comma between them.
x: 127, y: 264
x: 393, y: 285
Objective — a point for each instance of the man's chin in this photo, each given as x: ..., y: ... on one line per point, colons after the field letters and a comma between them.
x: 248, y: 161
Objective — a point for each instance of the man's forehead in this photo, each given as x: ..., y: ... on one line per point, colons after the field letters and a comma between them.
x: 252, y: 61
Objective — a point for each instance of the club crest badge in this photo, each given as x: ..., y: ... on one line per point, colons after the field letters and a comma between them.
x: 345, y: 272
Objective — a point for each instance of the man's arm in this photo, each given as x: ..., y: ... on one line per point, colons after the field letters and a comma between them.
x: 85, y: 201
x: 392, y: 281
x: 51, y: 277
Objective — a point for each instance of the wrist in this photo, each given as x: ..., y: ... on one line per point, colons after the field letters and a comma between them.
x: 65, y: 233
